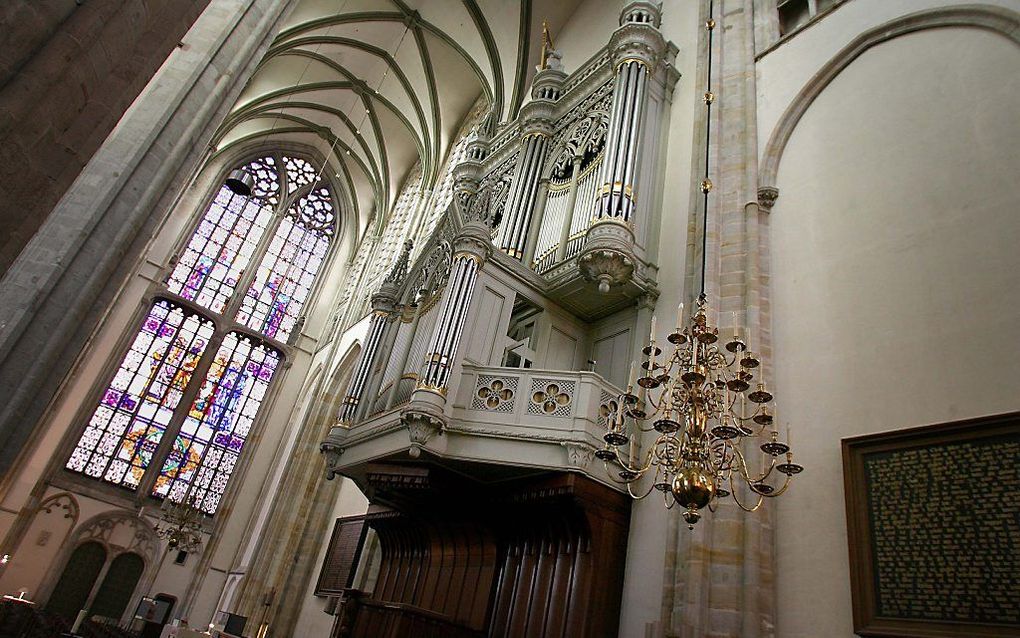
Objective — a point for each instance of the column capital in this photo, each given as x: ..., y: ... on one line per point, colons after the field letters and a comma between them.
x: 467, y: 175
x: 474, y: 239
x: 538, y: 117
x: 332, y: 451
x: 638, y: 38
x: 384, y: 301
x: 767, y: 196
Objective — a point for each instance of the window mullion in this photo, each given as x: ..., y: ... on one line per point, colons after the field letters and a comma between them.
x: 245, y: 281
x: 180, y: 413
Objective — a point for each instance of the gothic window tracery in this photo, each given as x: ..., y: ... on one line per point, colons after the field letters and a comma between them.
x: 153, y: 394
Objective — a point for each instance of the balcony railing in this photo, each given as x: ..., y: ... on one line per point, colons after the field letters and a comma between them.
x: 548, y: 419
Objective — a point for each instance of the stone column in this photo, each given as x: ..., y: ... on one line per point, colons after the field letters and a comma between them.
x: 62, y: 282
x: 537, y: 117
x: 721, y: 577
x: 637, y: 48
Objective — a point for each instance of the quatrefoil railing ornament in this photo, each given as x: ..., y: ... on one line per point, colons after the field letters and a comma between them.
x: 551, y: 399
x: 495, y: 394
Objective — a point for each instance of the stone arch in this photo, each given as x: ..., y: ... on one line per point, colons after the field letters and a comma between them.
x: 998, y: 20
x: 46, y: 529
x: 118, y: 532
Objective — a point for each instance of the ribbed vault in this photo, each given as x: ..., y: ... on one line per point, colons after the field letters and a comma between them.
x: 379, y: 85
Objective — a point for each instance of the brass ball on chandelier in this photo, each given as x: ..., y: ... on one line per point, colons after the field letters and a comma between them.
x: 693, y: 488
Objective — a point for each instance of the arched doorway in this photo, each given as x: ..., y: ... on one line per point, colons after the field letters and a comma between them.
x: 76, y: 582
x: 115, y: 592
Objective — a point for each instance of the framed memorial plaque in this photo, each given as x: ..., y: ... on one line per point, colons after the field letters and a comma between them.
x: 933, y: 519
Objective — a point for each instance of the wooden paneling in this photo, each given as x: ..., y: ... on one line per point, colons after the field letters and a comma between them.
x: 489, y: 318
x: 342, y: 556
x: 534, y: 558
x: 562, y: 351
x: 612, y: 356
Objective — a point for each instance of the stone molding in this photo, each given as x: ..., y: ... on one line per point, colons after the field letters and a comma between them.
x: 999, y: 20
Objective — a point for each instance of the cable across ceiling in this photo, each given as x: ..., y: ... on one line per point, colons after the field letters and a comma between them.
x: 380, y: 85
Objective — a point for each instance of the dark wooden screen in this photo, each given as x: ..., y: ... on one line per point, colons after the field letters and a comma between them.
x: 537, y: 557
x: 342, y: 557
x: 933, y: 518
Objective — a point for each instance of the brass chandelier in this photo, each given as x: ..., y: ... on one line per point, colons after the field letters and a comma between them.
x: 181, y: 525
x: 697, y: 400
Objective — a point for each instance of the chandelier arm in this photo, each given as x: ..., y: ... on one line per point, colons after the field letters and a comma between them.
x: 635, y: 496
x: 637, y: 423
x: 779, y: 492
x: 746, y: 473
x: 609, y: 473
x: 736, y: 499
x: 744, y: 419
x: 637, y: 470
x: 669, y: 499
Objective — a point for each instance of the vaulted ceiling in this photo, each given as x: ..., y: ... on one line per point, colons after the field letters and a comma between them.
x: 378, y: 85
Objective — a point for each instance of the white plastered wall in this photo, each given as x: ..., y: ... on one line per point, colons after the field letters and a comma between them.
x: 894, y: 264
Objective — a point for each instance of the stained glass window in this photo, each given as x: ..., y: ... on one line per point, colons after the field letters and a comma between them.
x: 284, y: 278
x: 137, y: 406
x: 288, y: 236
x: 299, y: 173
x: 223, y: 244
x: 217, y: 425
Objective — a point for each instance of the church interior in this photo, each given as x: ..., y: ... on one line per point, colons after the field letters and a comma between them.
x: 509, y: 318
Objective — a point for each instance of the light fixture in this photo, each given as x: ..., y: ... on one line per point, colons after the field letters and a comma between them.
x: 700, y: 402
x: 240, y: 182
x: 181, y: 525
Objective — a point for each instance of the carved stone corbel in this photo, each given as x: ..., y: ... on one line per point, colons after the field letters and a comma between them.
x: 608, y: 255
x: 579, y: 455
x: 332, y: 452
x: 423, y: 421
x: 767, y: 197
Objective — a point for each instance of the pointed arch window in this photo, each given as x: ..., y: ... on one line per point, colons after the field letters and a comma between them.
x: 184, y: 398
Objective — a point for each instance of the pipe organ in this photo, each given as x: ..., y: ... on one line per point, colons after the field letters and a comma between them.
x: 547, y: 222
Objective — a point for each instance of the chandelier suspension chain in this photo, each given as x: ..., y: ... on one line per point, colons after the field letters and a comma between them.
x: 706, y: 184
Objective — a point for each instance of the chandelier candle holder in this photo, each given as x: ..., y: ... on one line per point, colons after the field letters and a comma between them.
x: 708, y: 411
x: 181, y: 525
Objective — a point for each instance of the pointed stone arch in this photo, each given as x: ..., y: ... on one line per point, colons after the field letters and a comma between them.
x: 996, y: 19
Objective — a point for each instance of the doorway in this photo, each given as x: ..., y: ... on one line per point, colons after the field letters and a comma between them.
x: 118, y: 585
x: 77, y: 580
x: 96, y: 581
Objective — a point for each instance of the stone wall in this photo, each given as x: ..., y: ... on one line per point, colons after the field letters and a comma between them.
x: 68, y: 71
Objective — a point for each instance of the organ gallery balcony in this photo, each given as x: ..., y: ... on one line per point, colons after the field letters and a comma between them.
x: 502, y: 423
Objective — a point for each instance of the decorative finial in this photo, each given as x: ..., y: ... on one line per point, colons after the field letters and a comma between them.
x: 550, y: 56
x: 399, y: 270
